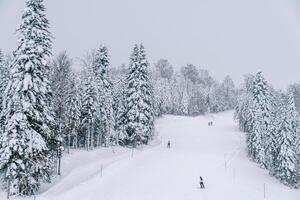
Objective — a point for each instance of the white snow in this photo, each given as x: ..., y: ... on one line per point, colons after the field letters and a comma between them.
x: 216, y: 153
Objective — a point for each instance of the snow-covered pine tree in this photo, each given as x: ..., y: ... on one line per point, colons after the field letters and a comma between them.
x: 139, y: 100
x: 261, y: 107
x: 24, y: 153
x: 89, y: 110
x: 256, y: 139
x: 73, y: 113
x: 118, y: 76
x: 276, y: 102
x: 105, y: 95
x: 23, y: 162
x: 148, y: 91
x: 286, y: 160
x: 120, y: 110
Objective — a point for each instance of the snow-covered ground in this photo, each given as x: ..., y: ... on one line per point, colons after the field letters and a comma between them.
x: 216, y: 153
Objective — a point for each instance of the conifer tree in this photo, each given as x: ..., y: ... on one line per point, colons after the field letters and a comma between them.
x: 73, y: 112
x: 119, y: 99
x: 120, y: 110
x: 276, y: 113
x: 105, y: 94
x: 139, y: 100
x: 147, y: 90
x: 286, y: 160
x: 262, y: 120
x: 89, y: 110
x: 24, y: 156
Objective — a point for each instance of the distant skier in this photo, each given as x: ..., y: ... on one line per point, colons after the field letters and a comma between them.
x: 169, y: 144
x: 201, y: 183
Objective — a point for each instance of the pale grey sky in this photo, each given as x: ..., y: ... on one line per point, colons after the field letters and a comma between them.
x: 224, y: 36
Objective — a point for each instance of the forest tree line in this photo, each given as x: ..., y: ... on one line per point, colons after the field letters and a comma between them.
x: 270, y: 120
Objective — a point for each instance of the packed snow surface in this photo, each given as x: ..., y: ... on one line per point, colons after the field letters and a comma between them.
x: 216, y: 153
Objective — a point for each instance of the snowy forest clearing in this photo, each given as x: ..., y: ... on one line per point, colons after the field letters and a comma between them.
x: 216, y: 153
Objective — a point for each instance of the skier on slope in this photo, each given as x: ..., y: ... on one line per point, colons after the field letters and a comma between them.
x: 169, y: 144
x: 201, y: 183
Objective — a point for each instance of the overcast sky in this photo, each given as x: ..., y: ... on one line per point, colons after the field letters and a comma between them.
x: 224, y: 36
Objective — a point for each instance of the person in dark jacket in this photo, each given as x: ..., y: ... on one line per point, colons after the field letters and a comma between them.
x: 201, y: 183
x: 169, y: 144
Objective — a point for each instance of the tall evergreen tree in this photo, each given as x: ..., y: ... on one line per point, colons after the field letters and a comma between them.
x: 89, y: 110
x: 105, y: 94
x: 120, y: 110
x: 286, y: 160
x: 276, y: 113
x: 73, y: 113
x: 139, y: 100
x: 24, y: 153
x: 262, y: 120
x: 148, y: 91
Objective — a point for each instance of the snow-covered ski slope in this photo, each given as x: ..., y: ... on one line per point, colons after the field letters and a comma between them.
x: 216, y: 153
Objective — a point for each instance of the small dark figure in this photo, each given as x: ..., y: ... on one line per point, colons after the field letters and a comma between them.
x: 208, y: 123
x: 169, y: 144
x: 201, y: 182
x: 211, y: 123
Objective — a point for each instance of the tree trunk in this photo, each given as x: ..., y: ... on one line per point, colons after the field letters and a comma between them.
x: 69, y: 142
x: 92, y: 135
x: 98, y: 136
x: 8, y: 188
x: 76, y: 141
x: 87, y: 140
x: 59, y: 158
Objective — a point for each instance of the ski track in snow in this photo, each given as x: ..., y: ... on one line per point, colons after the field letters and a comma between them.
x: 216, y: 153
